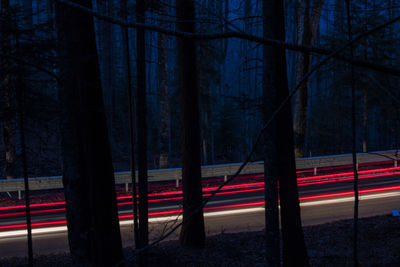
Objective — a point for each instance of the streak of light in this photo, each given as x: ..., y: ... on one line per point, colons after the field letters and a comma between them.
x: 248, y: 208
x: 256, y: 186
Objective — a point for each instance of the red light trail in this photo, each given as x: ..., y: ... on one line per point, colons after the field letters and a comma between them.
x: 227, y: 190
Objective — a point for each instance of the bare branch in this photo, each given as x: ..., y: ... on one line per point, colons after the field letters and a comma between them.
x: 249, y: 37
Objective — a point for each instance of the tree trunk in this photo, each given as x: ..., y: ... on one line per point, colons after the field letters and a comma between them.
x: 127, y: 67
x: 88, y: 175
x: 270, y: 87
x: 365, y: 121
x: 142, y: 132
x: 294, y: 250
x: 192, y: 233
x: 307, y: 29
x: 107, y: 67
x: 165, y: 123
x: 7, y: 95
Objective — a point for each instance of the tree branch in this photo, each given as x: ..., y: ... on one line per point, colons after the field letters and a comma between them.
x: 249, y: 37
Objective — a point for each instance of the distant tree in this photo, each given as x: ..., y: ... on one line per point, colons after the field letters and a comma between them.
x: 212, y: 56
x: 88, y: 176
x: 280, y: 160
x: 307, y: 23
x: 164, y: 91
x: 7, y: 91
x: 192, y: 233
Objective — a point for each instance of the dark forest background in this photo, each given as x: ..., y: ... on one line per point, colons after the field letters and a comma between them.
x: 230, y: 82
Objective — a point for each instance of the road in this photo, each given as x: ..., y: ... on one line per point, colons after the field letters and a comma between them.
x: 324, y: 198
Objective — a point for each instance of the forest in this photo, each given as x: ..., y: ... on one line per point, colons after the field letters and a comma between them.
x: 89, y: 88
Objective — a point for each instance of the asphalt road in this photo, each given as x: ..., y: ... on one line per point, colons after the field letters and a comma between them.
x: 236, y: 219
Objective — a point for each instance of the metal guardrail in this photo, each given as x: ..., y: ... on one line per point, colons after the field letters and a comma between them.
x: 55, y: 182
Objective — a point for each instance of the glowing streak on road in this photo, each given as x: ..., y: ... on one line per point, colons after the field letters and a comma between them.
x: 258, y: 186
x: 316, y: 177
x: 22, y: 213
x: 33, y: 205
x: 241, y: 205
x: 177, y: 192
x: 249, y: 209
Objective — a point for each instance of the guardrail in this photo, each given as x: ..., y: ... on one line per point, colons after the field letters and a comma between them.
x: 223, y: 170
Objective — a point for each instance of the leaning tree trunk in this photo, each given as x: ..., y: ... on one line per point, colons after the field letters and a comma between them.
x: 192, y: 233
x: 88, y: 175
x: 7, y: 94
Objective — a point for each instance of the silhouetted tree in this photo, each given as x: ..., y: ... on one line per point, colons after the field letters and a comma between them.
x: 192, y: 233
x: 271, y: 83
x: 282, y: 156
x: 8, y: 106
x: 142, y: 131
x: 88, y: 176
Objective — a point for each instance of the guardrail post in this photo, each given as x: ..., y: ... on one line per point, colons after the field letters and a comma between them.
x: 126, y: 187
x: 395, y: 163
x: 177, y: 182
x: 315, y: 171
x: 225, y: 178
x: 19, y: 194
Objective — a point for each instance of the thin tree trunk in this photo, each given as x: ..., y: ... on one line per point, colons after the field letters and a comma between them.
x: 88, y: 175
x: 192, y: 233
x: 365, y: 121
x: 142, y: 132
x: 127, y: 62
x: 165, y: 124
x: 294, y: 249
x: 20, y: 103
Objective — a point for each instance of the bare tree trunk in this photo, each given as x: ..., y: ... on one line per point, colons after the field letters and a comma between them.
x: 307, y: 29
x: 127, y: 63
x: 365, y: 121
x: 192, y: 233
x: 107, y: 66
x: 165, y: 124
x: 88, y: 175
x: 280, y: 160
x: 7, y: 95
x: 270, y: 86
x: 142, y: 132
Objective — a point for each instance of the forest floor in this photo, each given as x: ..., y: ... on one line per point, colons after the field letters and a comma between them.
x: 327, y: 244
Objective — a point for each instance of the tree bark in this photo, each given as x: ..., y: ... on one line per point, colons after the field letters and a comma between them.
x: 127, y: 67
x: 105, y: 35
x: 281, y: 156
x: 7, y: 94
x: 270, y: 87
x: 88, y: 175
x: 192, y: 233
x: 142, y: 132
